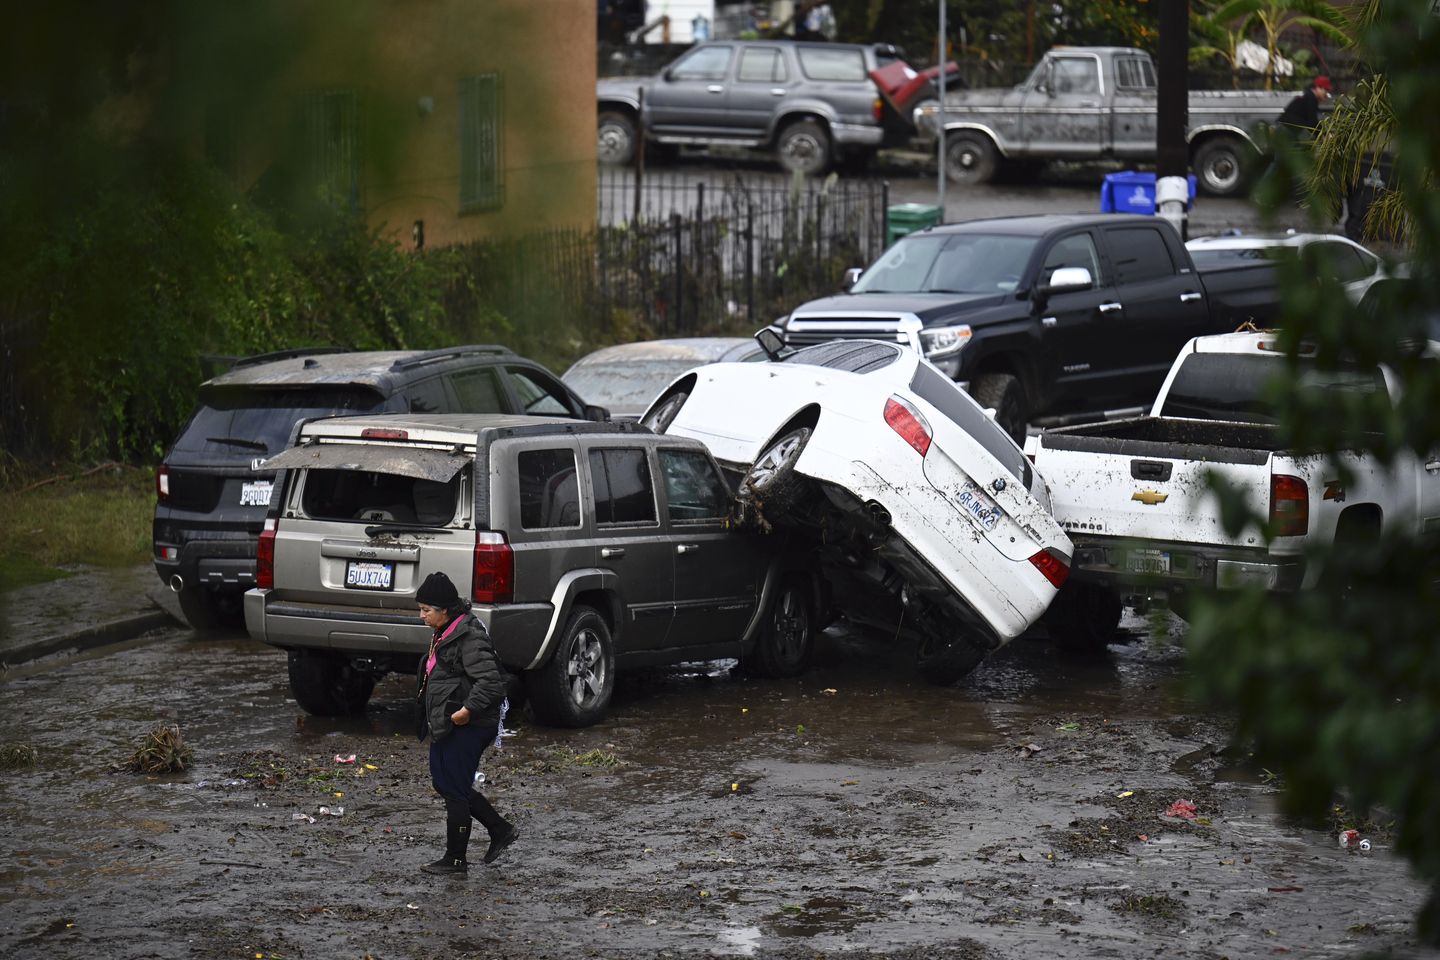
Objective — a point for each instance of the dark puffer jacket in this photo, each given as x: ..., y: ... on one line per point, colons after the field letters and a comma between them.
x: 467, y: 673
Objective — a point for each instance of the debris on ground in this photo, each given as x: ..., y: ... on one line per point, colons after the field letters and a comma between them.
x: 343, y: 759
x: 1029, y: 750
x: 1183, y: 809
x: 162, y: 751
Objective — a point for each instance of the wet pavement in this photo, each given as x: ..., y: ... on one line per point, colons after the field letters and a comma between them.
x: 855, y: 811
x: 91, y: 606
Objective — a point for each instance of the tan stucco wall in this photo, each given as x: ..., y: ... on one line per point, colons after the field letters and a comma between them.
x: 392, y: 53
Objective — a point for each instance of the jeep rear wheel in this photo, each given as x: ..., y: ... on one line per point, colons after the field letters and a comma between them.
x: 328, y: 686
x: 573, y: 689
x: 784, y: 646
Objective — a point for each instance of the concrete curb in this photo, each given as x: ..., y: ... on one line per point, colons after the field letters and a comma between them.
x: 115, y: 631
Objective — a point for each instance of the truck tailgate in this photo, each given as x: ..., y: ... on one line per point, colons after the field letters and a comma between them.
x: 1147, y: 489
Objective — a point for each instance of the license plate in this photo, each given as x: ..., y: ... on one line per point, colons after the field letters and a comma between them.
x: 367, y: 575
x: 1147, y: 561
x: 255, y: 493
x: 979, y: 507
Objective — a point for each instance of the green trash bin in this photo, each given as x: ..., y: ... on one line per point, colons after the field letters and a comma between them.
x: 904, y: 219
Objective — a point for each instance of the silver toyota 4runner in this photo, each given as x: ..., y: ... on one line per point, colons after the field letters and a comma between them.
x: 582, y: 546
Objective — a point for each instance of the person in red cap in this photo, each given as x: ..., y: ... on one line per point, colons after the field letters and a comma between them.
x: 1302, y: 115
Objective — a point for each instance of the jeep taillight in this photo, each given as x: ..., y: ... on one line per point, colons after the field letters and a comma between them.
x: 493, y: 578
x: 878, y: 110
x: 162, y: 483
x: 1055, y: 566
x: 1289, y: 506
x: 265, y: 558
x: 910, y: 423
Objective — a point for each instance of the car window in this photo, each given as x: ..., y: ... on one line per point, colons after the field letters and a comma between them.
x: 762, y: 65
x: 1234, y: 256
x: 1077, y: 250
x: 622, y: 486
x: 852, y: 357
x: 539, y: 395
x: 822, y: 63
x: 549, y: 493
x: 1134, y: 73
x: 427, y: 396
x: 693, y: 487
x: 1076, y: 75
x: 706, y: 63
x: 1139, y: 254
x: 377, y: 497
x: 245, y: 422
x: 956, y: 263
x: 941, y: 392
x: 1344, y: 262
x: 478, y: 391
x: 1238, y: 386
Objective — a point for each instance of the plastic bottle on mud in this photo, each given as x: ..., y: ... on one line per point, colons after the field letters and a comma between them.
x: 479, y: 780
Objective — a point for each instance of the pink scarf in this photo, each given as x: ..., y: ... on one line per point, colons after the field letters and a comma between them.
x: 430, y: 663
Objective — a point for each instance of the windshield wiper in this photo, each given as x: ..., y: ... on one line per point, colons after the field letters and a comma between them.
x: 380, y: 528
x: 238, y: 442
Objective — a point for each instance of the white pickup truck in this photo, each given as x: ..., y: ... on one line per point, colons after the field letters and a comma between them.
x: 1133, y: 494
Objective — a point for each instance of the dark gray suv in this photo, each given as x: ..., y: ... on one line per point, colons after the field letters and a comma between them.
x: 583, y: 547
x: 213, y: 489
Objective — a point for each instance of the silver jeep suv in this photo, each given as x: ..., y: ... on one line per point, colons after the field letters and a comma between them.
x: 583, y: 546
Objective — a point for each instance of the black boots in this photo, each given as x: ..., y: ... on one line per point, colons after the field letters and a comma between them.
x: 457, y: 839
x: 502, y: 832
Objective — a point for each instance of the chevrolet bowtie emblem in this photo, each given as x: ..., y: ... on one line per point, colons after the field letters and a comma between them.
x: 1150, y: 497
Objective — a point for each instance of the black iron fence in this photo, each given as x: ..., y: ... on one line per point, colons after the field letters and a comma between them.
x: 679, y: 254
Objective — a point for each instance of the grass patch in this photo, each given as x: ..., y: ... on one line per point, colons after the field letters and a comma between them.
x: 1157, y: 906
x: 102, y: 519
x: 18, y: 756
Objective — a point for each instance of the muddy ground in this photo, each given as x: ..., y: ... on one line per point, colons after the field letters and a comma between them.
x: 856, y: 812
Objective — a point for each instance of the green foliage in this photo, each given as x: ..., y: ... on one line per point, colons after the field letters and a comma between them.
x: 1338, y: 688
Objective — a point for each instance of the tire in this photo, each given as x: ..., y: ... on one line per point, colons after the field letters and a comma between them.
x: 207, y: 611
x: 1084, y: 616
x: 618, y: 137
x: 328, y: 686
x: 1003, y: 393
x: 804, y: 147
x: 660, y: 418
x: 574, y: 687
x: 1220, y: 166
x: 970, y: 159
x: 772, y: 479
x: 944, y: 658
x: 788, y: 639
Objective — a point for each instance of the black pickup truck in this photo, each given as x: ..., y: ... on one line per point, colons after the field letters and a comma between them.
x: 1052, y: 314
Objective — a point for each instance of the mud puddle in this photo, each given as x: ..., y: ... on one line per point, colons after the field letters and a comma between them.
x: 856, y: 811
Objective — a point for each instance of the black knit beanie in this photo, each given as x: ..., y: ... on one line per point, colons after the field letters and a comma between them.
x: 437, y: 591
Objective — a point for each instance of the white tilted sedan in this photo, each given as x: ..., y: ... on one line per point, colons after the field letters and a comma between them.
x: 913, y: 485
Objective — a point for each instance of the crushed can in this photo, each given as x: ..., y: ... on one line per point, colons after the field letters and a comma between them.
x: 1349, y: 839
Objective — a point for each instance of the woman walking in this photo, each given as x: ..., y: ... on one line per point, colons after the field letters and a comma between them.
x: 461, y: 690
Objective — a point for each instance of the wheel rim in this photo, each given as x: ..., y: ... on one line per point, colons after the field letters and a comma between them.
x: 664, y: 414
x: 613, y: 143
x: 1222, y: 172
x: 802, y: 151
x: 585, y: 668
x: 772, y: 460
x: 790, y: 626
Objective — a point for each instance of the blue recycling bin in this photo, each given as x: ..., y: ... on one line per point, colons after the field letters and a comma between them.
x: 1131, y: 192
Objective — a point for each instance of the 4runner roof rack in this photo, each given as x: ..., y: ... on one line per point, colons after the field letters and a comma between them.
x: 450, y: 353
x: 285, y: 355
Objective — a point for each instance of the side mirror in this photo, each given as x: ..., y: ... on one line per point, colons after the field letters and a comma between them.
x: 772, y: 343
x: 667, y: 74
x: 597, y: 413
x: 1067, y: 280
x: 851, y: 275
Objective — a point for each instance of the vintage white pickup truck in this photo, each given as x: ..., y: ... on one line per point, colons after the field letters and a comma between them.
x: 1087, y: 103
x: 1133, y: 494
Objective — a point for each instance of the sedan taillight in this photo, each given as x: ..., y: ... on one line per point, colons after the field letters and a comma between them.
x: 265, y: 557
x: 1055, y: 566
x: 910, y: 423
x: 494, y: 569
